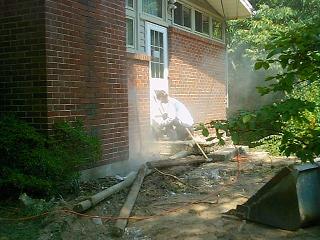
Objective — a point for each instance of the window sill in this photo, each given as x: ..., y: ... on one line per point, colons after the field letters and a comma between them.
x: 138, y: 56
x: 154, y: 19
x: 205, y: 38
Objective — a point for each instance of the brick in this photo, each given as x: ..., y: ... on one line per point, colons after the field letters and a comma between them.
x: 76, y: 39
x: 196, y: 72
x: 48, y: 51
x: 21, y: 32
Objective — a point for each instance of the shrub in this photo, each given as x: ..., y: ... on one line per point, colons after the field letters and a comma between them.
x: 40, y: 165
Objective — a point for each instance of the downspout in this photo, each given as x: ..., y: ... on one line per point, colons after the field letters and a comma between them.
x: 226, y: 73
x: 227, y: 76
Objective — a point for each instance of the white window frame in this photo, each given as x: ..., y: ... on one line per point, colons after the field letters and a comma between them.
x: 211, y: 16
x: 202, y: 14
x: 222, y: 29
x: 132, y: 14
x: 134, y: 33
x: 131, y: 8
x: 164, y: 12
x: 152, y: 26
x: 191, y: 13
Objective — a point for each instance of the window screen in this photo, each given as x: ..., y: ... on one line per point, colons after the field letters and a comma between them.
x: 130, y: 32
x: 153, y: 7
x: 216, y: 29
x: 182, y: 15
x: 129, y: 3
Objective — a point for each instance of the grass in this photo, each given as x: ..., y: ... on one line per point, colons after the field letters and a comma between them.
x: 14, y: 230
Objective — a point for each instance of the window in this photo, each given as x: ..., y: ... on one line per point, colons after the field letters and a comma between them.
x: 130, y: 32
x: 198, y: 21
x: 205, y: 24
x: 153, y: 7
x: 201, y: 22
x: 157, y: 54
x: 216, y: 29
x: 129, y: 3
x: 182, y: 15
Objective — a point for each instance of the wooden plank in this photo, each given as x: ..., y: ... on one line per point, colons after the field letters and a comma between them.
x: 95, y: 199
x: 176, y: 162
x: 127, y: 207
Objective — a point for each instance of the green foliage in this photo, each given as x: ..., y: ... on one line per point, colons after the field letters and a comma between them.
x: 270, y: 144
x: 279, y: 43
x: 297, y: 51
x: 37, y: 164
x: 248, y: 38
x: 295, y: 118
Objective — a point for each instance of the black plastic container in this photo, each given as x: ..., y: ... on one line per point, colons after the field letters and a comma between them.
x: 290, y: 200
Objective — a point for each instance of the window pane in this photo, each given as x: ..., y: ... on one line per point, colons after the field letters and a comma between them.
x: 216, y: 29
x: 161, y: 55
x: 178, y: 14
x: 157, y: 70
x: 161, y: 39
x: 153, y: 70
x: 205, y: 24
x: 156, y: 42
x: 187, y: 17
x: 161, y: 70
x: 153, y: 7
x: 130, y: 32
x: 129, y: 3
x: 156, y: 54
x: 198, y: 21
x: 152, y: 37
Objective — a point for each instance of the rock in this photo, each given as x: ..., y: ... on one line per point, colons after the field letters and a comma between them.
x: 97, y: 221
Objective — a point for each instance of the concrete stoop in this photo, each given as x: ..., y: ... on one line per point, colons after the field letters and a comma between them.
x: 225, y: 154
x: 228, y: 153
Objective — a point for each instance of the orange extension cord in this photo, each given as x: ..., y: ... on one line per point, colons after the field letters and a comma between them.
x: 67, y: 211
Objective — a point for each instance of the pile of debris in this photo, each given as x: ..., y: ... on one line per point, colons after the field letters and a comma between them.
x: 135, y: 180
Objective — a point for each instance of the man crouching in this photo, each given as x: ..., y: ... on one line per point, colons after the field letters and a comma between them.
x: 170, y: 118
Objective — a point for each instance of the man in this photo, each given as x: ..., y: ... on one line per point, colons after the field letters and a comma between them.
x: 170, y: 117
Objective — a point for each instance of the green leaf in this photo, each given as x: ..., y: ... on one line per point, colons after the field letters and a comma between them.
x: 221, y: 142
x: 246, y: 118
x: 258, y: 65
x: 235, y: 138
x: 263, y: 90
x: 205, y: 132
x: 265, y: 65
x: 274, y: 52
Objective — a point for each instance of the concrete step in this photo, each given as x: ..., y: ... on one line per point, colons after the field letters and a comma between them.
x: 225, y: 154
x: 228, y: 153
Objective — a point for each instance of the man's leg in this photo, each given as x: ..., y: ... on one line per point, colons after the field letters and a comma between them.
x: 157, y: 132
x: 180, y: 130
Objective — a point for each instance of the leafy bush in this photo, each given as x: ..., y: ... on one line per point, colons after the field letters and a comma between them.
x: 294, y: 119
x: 40, y: 165
x: 270, y: 144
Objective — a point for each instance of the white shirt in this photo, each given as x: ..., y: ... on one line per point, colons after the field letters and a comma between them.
x: 174, y: 109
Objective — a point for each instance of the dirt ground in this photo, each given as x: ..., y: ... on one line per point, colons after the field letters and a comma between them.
x: 189, y: 209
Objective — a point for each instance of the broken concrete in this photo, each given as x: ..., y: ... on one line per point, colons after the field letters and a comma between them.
x: 225, y: 154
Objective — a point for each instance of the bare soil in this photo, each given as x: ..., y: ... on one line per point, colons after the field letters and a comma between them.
x: 190, y: 209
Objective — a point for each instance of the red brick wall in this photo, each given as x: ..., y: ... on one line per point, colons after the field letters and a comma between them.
x: 65, y: 59
x: 85, y: 42
x: 139, y: 102
x: 197, y: 75
x: 22, y: 61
